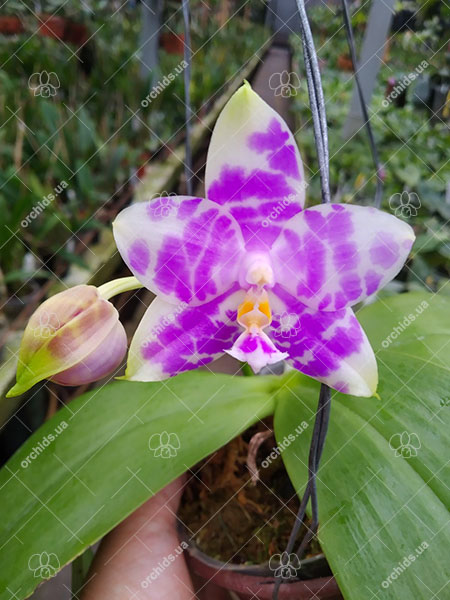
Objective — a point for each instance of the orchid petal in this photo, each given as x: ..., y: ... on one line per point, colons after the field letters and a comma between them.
x: 254, y: 167
x: 183, y: 249
x: 332, y: 256
x: 330, y: 346
x: 172, y: 339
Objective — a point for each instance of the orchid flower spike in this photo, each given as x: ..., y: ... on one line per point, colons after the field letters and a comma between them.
x: 249, y: 272
x: 74, y: 337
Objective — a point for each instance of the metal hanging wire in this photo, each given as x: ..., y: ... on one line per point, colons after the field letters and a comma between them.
x: 317, y: 103
x: 187, y: 96
x: 373, y: 147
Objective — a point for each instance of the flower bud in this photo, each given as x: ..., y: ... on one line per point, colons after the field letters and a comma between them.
x: 74, y: 337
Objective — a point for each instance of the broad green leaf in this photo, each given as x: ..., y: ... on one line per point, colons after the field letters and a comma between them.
x: 378, y: 507
x: 99, y: 458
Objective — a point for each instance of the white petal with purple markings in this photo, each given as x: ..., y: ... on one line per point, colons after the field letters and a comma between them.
x: 332, y: 256
x: 171, y: 339
x: 191, y: 253
x: 330, y: 346
x: 254, y: 167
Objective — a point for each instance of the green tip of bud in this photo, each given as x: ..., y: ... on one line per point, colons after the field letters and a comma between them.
x: 16, y: 390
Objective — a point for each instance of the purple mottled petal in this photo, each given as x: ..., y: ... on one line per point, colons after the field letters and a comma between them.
x: 329, y: 346
x: 254, y: 168
x: 333, y: 256
x: 172, y: 338
x: 181, y: 248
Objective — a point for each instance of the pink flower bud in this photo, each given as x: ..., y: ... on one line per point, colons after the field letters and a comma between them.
x: 74, y: 337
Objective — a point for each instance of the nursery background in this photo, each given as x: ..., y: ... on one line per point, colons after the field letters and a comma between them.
x: 93, y: 117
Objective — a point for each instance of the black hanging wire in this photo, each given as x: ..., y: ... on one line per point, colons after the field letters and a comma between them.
x: 316, y: 100
x: 317, y: 103
x: 187, y: 96
x: 373, y: 148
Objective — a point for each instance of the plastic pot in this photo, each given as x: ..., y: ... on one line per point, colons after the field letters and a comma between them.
x: 212, y: 577
x: 11, y: 25
x: 52, y: 27
x: 172, y: 43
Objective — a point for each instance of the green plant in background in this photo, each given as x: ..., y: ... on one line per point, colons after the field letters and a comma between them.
x: 412, y: 144
x: 84, y: 132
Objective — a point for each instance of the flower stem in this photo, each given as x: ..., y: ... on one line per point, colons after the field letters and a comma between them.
x: 117, y: 286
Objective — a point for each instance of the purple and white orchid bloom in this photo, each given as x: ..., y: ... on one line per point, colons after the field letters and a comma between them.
x: 230, y: 269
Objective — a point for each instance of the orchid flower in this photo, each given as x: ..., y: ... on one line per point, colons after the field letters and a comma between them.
x: 230, y: 269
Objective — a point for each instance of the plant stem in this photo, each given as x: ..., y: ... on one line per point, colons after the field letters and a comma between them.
x: 117, y: 286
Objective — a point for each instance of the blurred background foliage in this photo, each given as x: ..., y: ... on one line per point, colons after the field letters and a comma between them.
x: 411, y: 131
x: 91, y: 130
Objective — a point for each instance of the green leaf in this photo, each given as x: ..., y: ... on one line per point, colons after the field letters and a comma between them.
x: 377, y: 508
x: 97, y: 460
